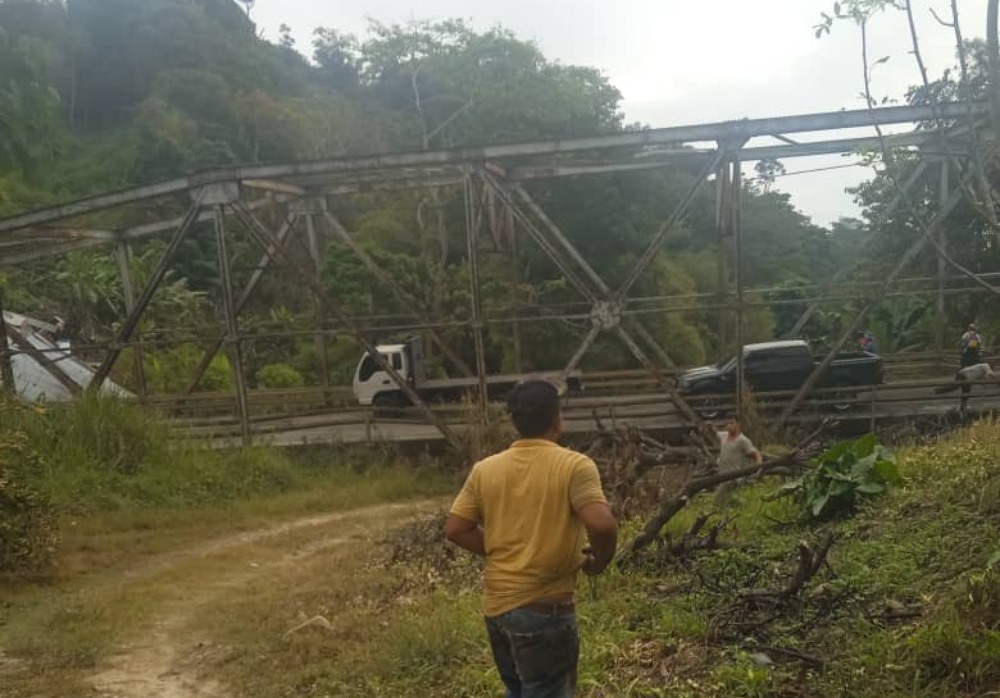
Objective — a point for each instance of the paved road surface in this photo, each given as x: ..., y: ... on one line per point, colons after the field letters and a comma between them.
x: 648, y: 411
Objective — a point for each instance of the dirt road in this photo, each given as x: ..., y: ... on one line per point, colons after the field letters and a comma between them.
x: 167, y: 653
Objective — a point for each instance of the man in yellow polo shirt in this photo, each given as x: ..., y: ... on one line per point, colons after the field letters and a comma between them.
x: 527, y: 510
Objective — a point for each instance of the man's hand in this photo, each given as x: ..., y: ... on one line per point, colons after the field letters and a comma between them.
x: 589, y: 564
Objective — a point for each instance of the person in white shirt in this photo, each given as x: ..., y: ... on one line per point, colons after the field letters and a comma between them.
x: 736, y: 450
x: 964, y: 377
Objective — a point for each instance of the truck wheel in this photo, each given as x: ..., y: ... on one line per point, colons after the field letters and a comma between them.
x: 710, y: 408
x: 843, y: 401
x: 389, y: 403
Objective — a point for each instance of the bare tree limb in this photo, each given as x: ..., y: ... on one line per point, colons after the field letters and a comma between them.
x: 942, y: 22
x: 781, y: 466
x: 887, y: 157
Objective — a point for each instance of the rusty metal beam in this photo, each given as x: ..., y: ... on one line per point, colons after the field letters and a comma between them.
x: 123, y: 253
x: 232, y: 325
x: 401, y: 295
x: 276, y: 187
x: 473, y: 222
x: 132, y: 321
x: 679, y: 210
x: 742, y: 129
x: 603, y: 289
x: 283, y: 233
x: 130, y: 233
x: 24, y: 346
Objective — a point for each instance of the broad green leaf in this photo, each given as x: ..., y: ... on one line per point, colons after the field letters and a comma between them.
x: 888, y: 471
x: 819, y: 504
x: 833, y: 454
x: 871, y: 488
x: 864, y: 446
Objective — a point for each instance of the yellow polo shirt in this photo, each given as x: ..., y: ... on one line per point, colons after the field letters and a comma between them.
x: 525, y: 499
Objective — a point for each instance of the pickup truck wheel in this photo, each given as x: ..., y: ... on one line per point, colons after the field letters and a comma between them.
x: 710, y: 408
x: 843, y: 401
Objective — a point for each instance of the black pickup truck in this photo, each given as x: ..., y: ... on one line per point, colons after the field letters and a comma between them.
x: 777, y: 366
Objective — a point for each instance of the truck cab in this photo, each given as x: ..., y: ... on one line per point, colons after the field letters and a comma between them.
x: 370, y: 380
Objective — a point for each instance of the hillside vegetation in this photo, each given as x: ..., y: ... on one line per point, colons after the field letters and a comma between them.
x: 112, y: 93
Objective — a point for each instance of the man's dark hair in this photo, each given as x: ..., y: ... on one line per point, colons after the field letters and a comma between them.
x: 534, y: 407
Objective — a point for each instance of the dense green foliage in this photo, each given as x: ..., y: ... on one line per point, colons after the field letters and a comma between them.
x: 27, y: 519
x: 101, y: 454
x: 842, y: 476
x: 107, y: 93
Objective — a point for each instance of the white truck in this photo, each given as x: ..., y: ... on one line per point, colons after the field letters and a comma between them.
x: 373, y: 386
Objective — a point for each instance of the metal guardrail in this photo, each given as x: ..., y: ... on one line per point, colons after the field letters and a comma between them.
x: 891, y: 401
x: 269, y: 404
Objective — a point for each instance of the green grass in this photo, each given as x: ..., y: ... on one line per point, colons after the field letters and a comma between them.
x: 652, y: 629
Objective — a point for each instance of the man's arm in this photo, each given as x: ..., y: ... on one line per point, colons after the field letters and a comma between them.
x: 602, y: 532
x: 465, y: 534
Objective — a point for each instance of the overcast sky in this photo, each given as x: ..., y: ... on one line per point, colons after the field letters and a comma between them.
x: 686, y: 61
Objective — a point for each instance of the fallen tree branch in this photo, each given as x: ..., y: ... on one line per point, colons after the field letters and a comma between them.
x: 794, y: 654
x: 706, y: 479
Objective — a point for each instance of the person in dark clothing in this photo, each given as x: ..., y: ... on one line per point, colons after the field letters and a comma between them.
x: 972, y: 347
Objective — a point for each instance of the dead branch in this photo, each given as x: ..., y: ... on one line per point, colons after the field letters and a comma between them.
x: 794, y: 654
x: 810, y: 562
x: 695, y: 540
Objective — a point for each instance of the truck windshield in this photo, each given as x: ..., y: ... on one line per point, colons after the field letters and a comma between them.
x: 369, y: 366
x: 726, y: 365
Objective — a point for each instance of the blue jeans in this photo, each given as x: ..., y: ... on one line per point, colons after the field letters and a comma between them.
x: 536, y: 653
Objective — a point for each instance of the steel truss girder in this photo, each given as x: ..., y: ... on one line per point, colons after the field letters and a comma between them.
x: 596, y: 298
x: 456, y: 158
x: 277, y: 250
x: 402, y: 295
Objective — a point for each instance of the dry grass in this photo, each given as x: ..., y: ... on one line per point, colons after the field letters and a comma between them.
x: 126, y: 573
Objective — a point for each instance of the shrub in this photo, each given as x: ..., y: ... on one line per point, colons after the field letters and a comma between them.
x: 27, y: 521
x: 103, y: 433
x: 843, y: 475
x: 169, y: 371
x: 279, y: 376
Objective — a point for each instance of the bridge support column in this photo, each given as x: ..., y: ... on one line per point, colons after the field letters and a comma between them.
x: 309, y: 208
x: 123, y: 252
x: 284, y: 232
x: 942, y: 271
x: 219, y: 196
x: 473, y: 219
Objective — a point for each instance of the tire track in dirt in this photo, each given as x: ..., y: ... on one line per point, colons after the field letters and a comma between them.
x: 164, y: 658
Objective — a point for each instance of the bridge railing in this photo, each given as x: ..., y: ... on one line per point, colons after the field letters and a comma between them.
x: 891, y: 401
